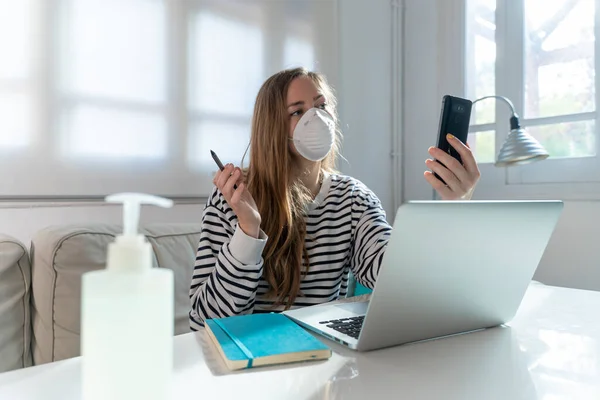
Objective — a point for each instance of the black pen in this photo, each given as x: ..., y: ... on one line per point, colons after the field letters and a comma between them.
x: 219, y: 163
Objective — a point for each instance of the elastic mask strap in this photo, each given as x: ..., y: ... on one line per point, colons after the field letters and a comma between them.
x: 244, y: 156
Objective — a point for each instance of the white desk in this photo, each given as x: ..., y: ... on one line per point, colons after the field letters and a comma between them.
x: 550, y: 351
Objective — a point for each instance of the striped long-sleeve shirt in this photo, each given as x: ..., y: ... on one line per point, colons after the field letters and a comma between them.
x: 348, y: 231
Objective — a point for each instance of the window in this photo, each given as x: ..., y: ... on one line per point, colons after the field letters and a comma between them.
x: 481, y: 69
x: 99, y: 96
x: 299, y: 52
x: 541, y: 54
x: 112, y: 93
x: 16, y: 74
x: 222, y: 91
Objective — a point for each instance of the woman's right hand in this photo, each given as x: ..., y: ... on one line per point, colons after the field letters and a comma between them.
x: 239, y: 199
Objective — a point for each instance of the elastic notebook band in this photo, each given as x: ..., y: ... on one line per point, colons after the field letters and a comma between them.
x: 239, y: 344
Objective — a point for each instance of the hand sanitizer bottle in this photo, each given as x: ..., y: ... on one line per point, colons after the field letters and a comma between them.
x: 127, y: 316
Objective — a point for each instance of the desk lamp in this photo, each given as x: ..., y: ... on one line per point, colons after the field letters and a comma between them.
x: 519, y: 147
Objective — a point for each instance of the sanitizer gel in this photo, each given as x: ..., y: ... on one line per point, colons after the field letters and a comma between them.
x: 127, y: 316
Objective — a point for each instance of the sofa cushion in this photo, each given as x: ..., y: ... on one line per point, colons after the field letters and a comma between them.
x: 15, y: 284
x: 61, y: 255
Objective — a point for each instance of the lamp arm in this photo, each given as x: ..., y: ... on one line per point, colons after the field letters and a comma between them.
x: 514, y: 118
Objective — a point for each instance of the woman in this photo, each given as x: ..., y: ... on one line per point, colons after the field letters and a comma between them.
x: 287, y: 232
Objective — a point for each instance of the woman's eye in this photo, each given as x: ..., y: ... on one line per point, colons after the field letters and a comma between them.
x: 296, y: 113
x: 323, y: 106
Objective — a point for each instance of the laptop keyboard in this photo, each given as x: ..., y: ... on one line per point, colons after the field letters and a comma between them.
x: 348, y: 326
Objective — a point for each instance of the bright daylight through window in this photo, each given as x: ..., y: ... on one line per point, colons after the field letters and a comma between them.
x: 98, y: 96
x: 549, y: 73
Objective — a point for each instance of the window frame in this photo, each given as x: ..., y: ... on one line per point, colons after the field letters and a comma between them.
x: 567, y: 178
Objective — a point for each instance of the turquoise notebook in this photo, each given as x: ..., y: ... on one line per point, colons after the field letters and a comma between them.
x: 247, y: 341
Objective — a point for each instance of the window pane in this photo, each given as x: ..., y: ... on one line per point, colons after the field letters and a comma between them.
x: 228, y: 140
x: 569, y: 139
x: 481, y: 58
x: 16, y: 23
x: 115, y: 49
x: 104, y: 133
x: 559, y: 57
x: 299, y: 52
x: 15, y: 120
x: 226, y: 64
x: 483, y: 145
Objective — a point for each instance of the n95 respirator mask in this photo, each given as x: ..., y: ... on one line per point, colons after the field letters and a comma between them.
x: 314, y: 134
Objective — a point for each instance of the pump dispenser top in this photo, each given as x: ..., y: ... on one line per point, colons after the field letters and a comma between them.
x: 131, y: 250
x: 131, y: 208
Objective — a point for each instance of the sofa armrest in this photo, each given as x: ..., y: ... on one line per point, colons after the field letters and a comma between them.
x: 15, y: 321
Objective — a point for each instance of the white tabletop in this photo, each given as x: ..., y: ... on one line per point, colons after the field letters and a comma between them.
x: 551, y: 350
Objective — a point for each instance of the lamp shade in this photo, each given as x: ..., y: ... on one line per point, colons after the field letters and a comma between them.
x: 520, y: 148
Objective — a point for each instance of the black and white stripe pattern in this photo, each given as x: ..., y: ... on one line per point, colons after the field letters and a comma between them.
x: 346, y: 231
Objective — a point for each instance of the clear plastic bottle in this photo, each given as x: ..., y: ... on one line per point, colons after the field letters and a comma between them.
x: 127, y: 316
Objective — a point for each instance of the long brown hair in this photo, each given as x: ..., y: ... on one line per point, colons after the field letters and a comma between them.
x: 281, y: 197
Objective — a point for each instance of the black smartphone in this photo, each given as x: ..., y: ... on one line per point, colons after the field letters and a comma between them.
x: 219, y: 163
x: 454, y: 119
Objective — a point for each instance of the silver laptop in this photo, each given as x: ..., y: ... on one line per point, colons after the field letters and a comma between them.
x: 450, y: 267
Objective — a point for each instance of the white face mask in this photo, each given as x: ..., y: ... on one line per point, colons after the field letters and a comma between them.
x: 314, y: 134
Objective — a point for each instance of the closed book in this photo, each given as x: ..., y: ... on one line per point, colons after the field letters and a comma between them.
x: 247, y: 341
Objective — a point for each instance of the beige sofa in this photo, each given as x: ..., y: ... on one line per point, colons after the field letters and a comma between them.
x: 15, y: 313
x: 40, y: 290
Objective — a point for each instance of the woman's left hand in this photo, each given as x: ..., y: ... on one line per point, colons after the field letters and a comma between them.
x: 460, y: 178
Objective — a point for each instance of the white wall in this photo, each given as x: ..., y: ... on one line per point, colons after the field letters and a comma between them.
x: 364, y: 93
x: 571, y: 258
